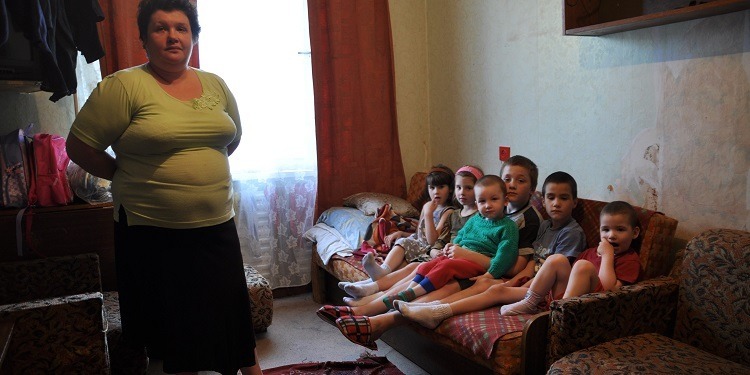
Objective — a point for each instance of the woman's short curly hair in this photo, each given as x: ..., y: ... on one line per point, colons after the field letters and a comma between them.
x: 146, y: 8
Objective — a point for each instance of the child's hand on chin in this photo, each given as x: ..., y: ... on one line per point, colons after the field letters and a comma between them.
x: 605, y: 248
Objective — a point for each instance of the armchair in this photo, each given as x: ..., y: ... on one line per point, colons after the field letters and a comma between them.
x: 55, y: 309
x: 695, y: 322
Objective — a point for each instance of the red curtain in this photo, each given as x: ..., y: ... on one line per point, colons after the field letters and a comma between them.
x: 355, y: 106
x: 119, y: 37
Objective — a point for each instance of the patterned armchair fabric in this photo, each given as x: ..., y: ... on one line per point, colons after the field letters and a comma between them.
x: 711, y: 326
x: 578, y: 322
x: 56, y: 305
x: 51, y: 277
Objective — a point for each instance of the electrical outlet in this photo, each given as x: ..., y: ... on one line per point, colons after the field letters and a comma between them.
x: 504, y: 153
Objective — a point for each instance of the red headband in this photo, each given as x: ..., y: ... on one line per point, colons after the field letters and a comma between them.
x: 472, y: 170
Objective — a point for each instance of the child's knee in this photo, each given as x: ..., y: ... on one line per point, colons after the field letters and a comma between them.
x: 584, y: 266
x: 556, y: 258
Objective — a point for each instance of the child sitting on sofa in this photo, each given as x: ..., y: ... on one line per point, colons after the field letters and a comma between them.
x: 463, y: 197
x: 614, y: 263
x: 433, y: 225
x: 492, y: 233
x: 487, y: 245
x: 560, y: 234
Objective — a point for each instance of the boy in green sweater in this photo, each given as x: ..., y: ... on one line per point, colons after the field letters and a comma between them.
x: 487, y: 245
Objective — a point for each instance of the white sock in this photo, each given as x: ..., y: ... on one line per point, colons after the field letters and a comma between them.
x: 362, y: 290
x: 374, y: 269
x: 429, y: 316
x: 354, y: 302
x: 343, y: 284
x: 528, y: 305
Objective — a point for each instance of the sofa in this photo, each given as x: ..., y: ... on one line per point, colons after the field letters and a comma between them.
x: 485, y: 339
x: 696, y: 322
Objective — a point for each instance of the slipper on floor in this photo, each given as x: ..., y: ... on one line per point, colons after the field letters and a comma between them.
x: 330, y: 313
x: 358, y: 330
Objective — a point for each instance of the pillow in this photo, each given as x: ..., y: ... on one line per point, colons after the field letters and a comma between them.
x: 350, y: 222
x: 370, y: 202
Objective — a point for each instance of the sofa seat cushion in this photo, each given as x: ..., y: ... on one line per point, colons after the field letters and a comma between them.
x: 646, y: 353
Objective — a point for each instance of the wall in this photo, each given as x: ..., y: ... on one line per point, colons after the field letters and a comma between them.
x: 408, y: 27
x: 658, y: 117
x: 20, y: 109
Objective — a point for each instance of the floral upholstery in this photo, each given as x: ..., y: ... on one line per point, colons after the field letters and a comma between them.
x: 648, y: 353
x: 57, y: 330
x: 710, y: 328
x: 712, y: 311
x: 261, y: 296
x: 505, y: 352
x: 594, y: 318
x: 51, y: 277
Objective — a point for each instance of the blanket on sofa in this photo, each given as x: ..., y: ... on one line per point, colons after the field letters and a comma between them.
x: 478, y: 330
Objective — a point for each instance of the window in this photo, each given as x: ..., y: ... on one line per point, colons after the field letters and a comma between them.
x: 261, y: 49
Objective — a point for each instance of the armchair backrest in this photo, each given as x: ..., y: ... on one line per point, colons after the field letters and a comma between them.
x: 712, y: 309
x: 49, y: 277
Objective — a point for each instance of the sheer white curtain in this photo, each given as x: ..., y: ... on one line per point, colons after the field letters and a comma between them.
x: 261, y: 49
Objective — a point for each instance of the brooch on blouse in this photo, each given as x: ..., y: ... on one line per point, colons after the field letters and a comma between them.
x: 207, y: 100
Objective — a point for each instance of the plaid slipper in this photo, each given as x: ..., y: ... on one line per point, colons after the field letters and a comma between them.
x: 330, y: 313
x: 358, y: 330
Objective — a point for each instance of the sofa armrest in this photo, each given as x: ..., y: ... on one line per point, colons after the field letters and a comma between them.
x: 533, y: 344
x: 49, y: 277
x: 580, y: 322
x: 63, y: 335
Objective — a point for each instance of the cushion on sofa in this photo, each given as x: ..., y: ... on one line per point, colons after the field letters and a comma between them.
x: 370, y: 202
x: 350, y: 222
x: 646, y: 353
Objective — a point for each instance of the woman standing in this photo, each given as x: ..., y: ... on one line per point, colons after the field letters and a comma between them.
x: 179, y: 269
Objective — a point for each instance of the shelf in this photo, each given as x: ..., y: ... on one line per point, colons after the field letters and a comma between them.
x: 20, y: 86
x: 592, y: 18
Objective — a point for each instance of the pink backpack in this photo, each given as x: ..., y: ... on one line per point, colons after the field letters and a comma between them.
x: 49, y: 181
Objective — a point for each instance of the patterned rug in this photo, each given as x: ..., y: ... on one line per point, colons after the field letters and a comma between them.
x: 362, y: 366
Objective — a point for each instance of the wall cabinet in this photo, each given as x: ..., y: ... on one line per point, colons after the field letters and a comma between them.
x: 601, y: 17
x: 55, y: 231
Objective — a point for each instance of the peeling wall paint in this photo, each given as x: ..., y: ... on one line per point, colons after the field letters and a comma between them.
x: 659, y: 117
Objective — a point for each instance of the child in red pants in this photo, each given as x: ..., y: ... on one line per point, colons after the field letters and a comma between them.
x: 487, y: 244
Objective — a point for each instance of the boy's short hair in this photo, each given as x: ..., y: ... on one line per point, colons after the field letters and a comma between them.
x: 561, y: 177
x: 622, y: 208
x: 490, y: 180
x: 522, y: 161
x: 625, y: 208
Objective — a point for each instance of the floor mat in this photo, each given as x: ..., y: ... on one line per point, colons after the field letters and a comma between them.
x: 363, y: 366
